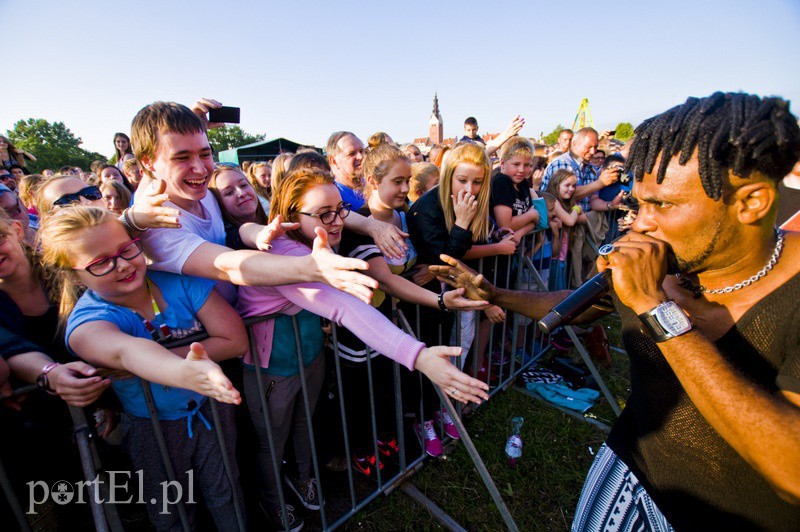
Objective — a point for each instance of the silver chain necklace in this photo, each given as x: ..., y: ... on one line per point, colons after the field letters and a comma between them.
x: 773, y: 260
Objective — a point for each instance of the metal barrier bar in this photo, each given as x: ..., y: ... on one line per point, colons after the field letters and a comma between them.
x: 276, y: 461
x: 593, y: 370
x: 13, y: 501
x: 226, y: 464
x: 162, y: 447
x: 309, y: 414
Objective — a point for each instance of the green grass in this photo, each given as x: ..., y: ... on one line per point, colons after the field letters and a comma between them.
x: 541, y: 492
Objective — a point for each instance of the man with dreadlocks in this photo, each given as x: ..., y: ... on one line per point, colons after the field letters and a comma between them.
x: 708, y: 291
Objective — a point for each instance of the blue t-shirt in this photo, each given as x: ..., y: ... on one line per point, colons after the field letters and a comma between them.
x: 355, y: 199
x: 185, y: 295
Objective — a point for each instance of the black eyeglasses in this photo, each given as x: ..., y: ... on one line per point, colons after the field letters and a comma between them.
x: 328, y: 217
x: 91, y: 193
x: 105, y: 265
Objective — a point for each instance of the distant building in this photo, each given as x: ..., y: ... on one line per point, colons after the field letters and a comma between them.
x: 436, y: 124
x: 436, y: 131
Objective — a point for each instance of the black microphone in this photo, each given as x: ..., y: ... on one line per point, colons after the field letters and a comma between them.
x: 576, y: 302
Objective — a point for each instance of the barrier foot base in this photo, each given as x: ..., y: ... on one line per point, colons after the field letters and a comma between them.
x: 437, y: 513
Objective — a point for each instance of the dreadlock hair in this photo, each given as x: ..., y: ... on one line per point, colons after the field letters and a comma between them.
x: 733, y: 131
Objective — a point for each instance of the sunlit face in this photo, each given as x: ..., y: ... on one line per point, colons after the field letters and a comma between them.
x: 10, y: 202
x: 12, y: 255
x: 134, y: 175
x: 564, y: 141
x: 122, y: 144
x: 110, y: 173
x: 598, y: 159
x: 185, y: 163
x: 238, y: 196
x: 112, y: 200
x: 318, y: 200
x: 414, y: 154
x: 393, y: 188
x: 106, y: 240
x: 48, y: 173
x: 566, y: 189
x: 469, y: 177
x: 678, y: 211
x: 518, y: 168
x: 471, y: 131
x: 346, y: 165
x: 586, y: 146
x: 68, y: 185
x: 263, y: 175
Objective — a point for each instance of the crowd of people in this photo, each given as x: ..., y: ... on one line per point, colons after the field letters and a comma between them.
x: 100, y: 268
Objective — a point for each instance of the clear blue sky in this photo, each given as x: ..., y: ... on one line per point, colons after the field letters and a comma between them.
x: 304, y: 69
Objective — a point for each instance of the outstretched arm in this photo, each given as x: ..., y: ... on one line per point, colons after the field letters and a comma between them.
x: 255, y: 268
x: 150, y: 361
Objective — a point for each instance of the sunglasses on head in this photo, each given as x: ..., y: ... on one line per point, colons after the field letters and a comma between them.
x: 91, y: 193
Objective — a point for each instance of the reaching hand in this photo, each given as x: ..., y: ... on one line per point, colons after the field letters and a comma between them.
x: 77, y: 383
x: 610, y: 175
x: 506, y: 246
x: 330, y: 268
x: 455, y: 300
x: 275, y: 229
x: 435, y: 363
x: 389, y: 239
x: 201, y: 108
x: 626, y: 222
x: 536, y: 178
x: 147, y: 211
x: 422, y: 275
x: 204, y: 376
x: 465, y: 206
x: 514, y: 127
x: 495, y: 314
x: 458, y: 275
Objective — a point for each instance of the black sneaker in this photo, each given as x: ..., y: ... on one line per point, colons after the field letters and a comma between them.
x: 294, y: 520
x: 305, y: 491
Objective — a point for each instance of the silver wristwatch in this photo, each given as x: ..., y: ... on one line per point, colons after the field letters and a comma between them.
x: 666, y: 321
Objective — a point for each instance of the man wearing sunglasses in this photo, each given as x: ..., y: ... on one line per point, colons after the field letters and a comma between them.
x: 171, y: 144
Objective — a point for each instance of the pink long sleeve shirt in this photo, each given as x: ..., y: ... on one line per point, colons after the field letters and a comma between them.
x: 364, y: 321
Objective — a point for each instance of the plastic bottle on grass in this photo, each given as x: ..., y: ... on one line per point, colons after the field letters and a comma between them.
x: 514, y: 442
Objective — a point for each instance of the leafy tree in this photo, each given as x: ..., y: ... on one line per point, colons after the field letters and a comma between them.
x: 552, y: 138
x: 624, y: 131
x: 54, y: 145
x: 229, y: 137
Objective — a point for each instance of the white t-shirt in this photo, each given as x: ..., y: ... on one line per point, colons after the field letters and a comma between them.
x: 169, y: 249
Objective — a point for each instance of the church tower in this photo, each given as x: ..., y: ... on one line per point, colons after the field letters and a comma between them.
x: 436, y: 124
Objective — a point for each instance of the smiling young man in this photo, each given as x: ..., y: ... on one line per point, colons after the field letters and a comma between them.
x: 708, y: 291
x: 172, y: 147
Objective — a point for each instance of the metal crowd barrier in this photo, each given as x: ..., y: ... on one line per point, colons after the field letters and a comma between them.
x: 520, y: 272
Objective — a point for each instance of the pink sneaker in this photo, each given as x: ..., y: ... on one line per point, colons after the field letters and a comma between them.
x: 428, y: 439
x: 450, y: 429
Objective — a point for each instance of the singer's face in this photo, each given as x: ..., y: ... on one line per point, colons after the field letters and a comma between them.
x: 698, y: 229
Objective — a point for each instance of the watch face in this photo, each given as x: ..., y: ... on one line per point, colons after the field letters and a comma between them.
x: 672, y: 318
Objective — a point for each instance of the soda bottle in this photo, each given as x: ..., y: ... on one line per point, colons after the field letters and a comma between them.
x: 514, y: 442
